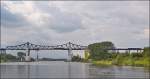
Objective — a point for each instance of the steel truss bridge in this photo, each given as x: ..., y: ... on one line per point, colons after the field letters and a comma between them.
x: 68, y: 46
x: 31, y: 46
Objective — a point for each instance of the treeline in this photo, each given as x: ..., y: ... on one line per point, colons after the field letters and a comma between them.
x: 51, y: 59
x: 11, y: 58
x: 7, y: 57
x: 77, y: 59
x: 99, y: 56
x: 131, y: 59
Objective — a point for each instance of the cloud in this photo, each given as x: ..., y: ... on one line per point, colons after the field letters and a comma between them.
x: 78, y: 22
x: 146, y: 33
x: 61, y: 22
x: 11, y: 20
x: 66, y: 22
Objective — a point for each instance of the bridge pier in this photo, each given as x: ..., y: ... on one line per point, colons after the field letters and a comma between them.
x: 28, y: 58
x: 129, y: 51
x: 37, y: 56
x: 137, y: 51
x: 117, y: 51
x: 69, y: 55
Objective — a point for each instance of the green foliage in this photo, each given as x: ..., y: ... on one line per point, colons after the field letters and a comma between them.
x: 113, y: 55
x: 7, y: 57
x: 98, y: 52
x: 87, y: 55
x: 21, y: 56
x: 134, y: 55
x: 10, y: 57
x: 77, y: 58
x: 102, y: 63
x: 102, y: 57
x: 146, y: 52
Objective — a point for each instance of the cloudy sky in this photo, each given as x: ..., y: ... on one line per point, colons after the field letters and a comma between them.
x: 125, y: 23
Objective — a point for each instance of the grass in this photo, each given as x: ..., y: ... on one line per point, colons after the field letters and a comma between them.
x: 102, y: 63
x: 1, y: 61
x: 124, y: 62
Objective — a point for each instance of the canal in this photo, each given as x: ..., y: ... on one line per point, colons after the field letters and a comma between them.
x: 68, y: 70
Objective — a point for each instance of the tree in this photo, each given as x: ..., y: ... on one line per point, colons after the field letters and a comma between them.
x: 146, y: 51
x: 21, y: 55
x: 76, y: 58
x: 86, y: 54
x: 7, y: 57
x: 97, y: 50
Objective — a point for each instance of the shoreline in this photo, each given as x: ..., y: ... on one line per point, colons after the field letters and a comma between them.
x: 106, y: 63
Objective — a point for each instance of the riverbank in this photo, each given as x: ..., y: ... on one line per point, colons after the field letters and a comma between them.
x: 2, y: 61
x: 126, y: 62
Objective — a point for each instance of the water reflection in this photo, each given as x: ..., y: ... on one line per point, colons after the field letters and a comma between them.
x: 69, y: 70
x: 21, y: 69
x: 115, y: 72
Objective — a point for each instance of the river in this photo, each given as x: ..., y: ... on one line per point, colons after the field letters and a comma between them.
x: 68, y: 70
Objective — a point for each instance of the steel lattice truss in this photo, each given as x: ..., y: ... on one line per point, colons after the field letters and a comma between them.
x: 30, y: 46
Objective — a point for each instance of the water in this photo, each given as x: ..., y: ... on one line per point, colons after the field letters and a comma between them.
x: 60, y: 69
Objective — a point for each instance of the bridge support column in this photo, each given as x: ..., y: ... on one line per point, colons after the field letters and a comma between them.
x: 69, y: 55
x: 140, y: 51
x: 137, y: 51
x: 37, y: 56
x: 28, y: 52
x: 5, y: 55
x: 117, y: 51
x: 129, y: 51
x: 28, y: 58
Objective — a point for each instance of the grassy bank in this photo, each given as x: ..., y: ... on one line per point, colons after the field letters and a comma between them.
x: 102, y: 63
x: 1, y: 61
x: 143, y: 62
x: 7, y: 57
x: 99, y: 56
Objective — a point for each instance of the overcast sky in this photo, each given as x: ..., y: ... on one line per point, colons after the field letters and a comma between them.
x: 125, y: 23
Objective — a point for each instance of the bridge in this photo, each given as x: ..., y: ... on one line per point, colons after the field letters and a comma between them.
x: 68, y: 46
x: 29, y: 46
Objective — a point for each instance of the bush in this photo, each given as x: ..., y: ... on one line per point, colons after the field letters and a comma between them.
x: 98, y: 50
x: 77, y: 58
